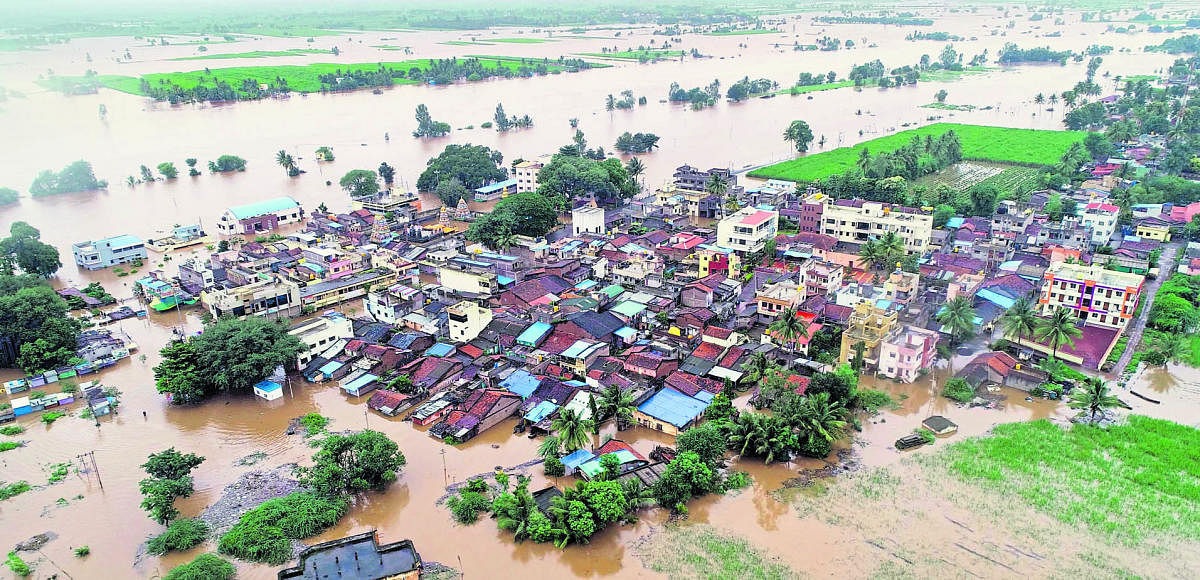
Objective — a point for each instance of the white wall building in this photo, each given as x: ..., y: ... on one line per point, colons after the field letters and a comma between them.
x: 466, y: 320
x: 747, y: 230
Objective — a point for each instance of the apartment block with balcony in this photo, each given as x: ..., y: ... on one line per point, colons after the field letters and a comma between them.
x: 526, y: 174
x: 748, y: 230
x: 346, y: 288
x: 265, y: 295
x: 776, y: 297
x: 318, y: 333
x: 857, y: 221
x: 905, y: 351
x: 466, y: 320
x: 823, y: 278
x: 1098, y: 296
x: 468, y: 281
x: 1102, y: 218
x: 868, y: 325
x: 109, y: 252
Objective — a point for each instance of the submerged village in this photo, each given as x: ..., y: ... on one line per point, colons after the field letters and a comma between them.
x: 540, y: 355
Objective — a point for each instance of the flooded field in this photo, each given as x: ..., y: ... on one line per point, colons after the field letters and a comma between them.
x: 46, y: 130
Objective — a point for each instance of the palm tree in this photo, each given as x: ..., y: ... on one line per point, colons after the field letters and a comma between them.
x: 756, y: 367
x: 515, y: 515
x: 717, y: 185
x: 1039, y: 98
x: 571, y: 429
x: 1058, y: 329
x: 870, y: 254
x: 958, y: 316
x: 789, y: 327
x: 1068, y: 97
x: 504, y: 240
x: 635, y: 167
x: 1019, y: 320
x: 637, y: 495
x: 617, y: 402
x: 891, y: 246
x: 766, y: 436
x: 285, y: 161
x: 820, y: 418
x: 1170, y: 347
x: 550, y: 448
x: 1094, y: 398
x: 864, y: 159
x: 1053, y: 98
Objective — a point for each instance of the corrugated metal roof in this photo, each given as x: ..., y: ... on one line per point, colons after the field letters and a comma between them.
x: 263, y: 207
x: 673, y: 407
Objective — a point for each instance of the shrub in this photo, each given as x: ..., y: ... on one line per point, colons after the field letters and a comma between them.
x: 467, y: 505
x: 736, y: 480
x: 926, y: 434
x: 262, y: 534
x: 313, y: 423
x: 52, y: 416
x: 82, y: 551
x: 17, y: 565
x: 8, y: 490
x: 9, y: 445
x: 959, y: 390
x: 181, y: 534
x: 554, y: 467
x: 872, y: 400
x: 204, y: 567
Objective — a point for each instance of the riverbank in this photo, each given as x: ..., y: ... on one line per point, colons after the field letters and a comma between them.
x: 984, y: 143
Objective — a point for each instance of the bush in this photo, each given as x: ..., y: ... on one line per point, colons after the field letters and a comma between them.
x: 82, y: 551
x: 926, y: 434
x: 313, y: 423
x: 17, y: 565
x: 204, y: 567
x: 959, y: 390
x: 736, y: 480
x: 181, y: 534
x: 8, y: 490
x: 554, y: 467
x: 871, y: 400
x: 467, y: 505
x: 262, y: 534
x: 51, y: 416
x: 12, y: 430
x: 9, y: 445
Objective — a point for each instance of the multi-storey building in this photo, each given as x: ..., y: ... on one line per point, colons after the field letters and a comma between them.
x: 265, y: 295
x: 868, y: 325
x: 774, y: 298
x: 526, y: 173
x: 262, y: 216
x: 1102, y: 218
x: 108, y: 252
x: 857, y: 221
x: 466, y: 320
x: 748, y: 230
x: 906, y: 351
x: 318, y: 333
x: 1099, y: 296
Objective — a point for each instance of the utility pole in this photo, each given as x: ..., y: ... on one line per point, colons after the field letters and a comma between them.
x: 445, y: 474
x: 83, y: 460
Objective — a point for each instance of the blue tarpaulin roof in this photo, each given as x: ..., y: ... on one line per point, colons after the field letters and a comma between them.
x: 360, y: 382
x: 673, y: 407
x: 331, y: 366
x: 576, y: 458
x: 955, y: 222
x: 440, y: 349
x: 541, y: 411
x: 533, y: 335
x: 268, y: 386
x: 996, y: 298
x: 521, y: 383
x: 625, y: 333
x: 504, y: 280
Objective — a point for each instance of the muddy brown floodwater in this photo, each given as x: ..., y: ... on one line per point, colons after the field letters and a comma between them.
x: 46, y: 130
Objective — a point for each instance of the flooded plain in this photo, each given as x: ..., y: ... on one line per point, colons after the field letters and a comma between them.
x: 46, y: 130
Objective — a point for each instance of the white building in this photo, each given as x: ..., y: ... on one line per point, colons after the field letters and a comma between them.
x: 1102, y: 218
x: 587, y: 220
x: 466, y: 320
x: 526, y: 173
x: 747, y: 230
x: 318, y: 333
x: 262, y: 216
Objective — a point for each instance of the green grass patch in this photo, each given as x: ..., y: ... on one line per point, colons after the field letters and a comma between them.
x: 255, y: 54
x: 743, y: 32
x: 798, y: 90
x: 1001, y: 144
x: 521, y: 40
x: 1128, y: 483
x: 636, y: 54
x: 389, y: 47
x: 466, y: 43
x: 12, y: 430
x: 181, y: 535
x: 206, y: 567
x: 1138, y: 78
x: 699, y: 551
x: 263, y: 533
x: 300, y: 78
x: 949, y: 107
x: 8, y: 490
x: 59, y: 472
x: 51, y: 416
x: 313, y: 423
x: 10, y: 445
x: 944, y: 75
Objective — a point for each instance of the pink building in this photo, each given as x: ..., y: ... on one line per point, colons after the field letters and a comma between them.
x: 906, y: 351
x: 1185, y: 213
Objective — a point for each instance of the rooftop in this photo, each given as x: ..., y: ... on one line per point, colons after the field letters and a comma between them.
x: 1096, y: 273
x: 263, y: 207
x: 357, y: 556
x: 673, y: 407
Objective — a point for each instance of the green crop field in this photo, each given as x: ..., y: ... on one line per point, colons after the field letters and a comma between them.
x: 1136, y: 78
x: 1001, y: 144
x: 1126, y: 482
x: 521, y: 40
x: 256, y: 54
x: 466, y: 43
x: 742, y: 32
x: 636, y: 54
x: 301, y: 78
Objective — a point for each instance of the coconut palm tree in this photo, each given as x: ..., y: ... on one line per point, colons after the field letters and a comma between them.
x: 864, y: 159
x: 1094, y: 398
x: 550, y: 448
x: 635, y: 167
x: 789, y: 327
x: 762, y: 435
x: 717, y: 185
x: 820, y: 418
x: 514, y: 514
x: 285, y: 161
x: 958, y: 316
x: 571, y: 429
x: 1039, y: 98
x: 756, y: 367
x: 637, y: 494
x: 870, y: 253
x: 1053, y: 98
x: 1169, y: 347
x: 1019, y: 320
x: 1058, y: 329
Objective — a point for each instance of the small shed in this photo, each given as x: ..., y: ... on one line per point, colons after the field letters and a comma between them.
x: 269, y: 390
x: 16, y: 386
x: 939, y: 425
x: 21, y: 406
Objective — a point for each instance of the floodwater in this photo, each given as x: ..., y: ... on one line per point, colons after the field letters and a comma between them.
x: 47, y: 130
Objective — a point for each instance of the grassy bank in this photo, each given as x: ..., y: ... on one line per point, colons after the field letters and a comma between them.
x: 699, y: 551
x: 255, y: 54
x: 466, y: 43
x: 521, y: 40
x: 949, y: 107
x: 742, y: 32
x: 300, y: 78
x: 1000, y: 144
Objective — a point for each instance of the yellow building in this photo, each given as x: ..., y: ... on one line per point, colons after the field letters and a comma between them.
x: 869, y: 325
x: 1154, y: 232
x: 710, y: 257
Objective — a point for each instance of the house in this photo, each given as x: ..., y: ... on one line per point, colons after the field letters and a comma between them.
x: 1102, y: 219
x: 359, y: 556
x: 495, y: 191
x: 907, y: 352
x: 268, y: 390
x: 868, y: 325
x: 346, y: 288
x: 318, y: 333
x: 649, y: 364
x: 857, y: 221
x: 391, y: 304
x: 466, y: 320
x: 390, y: 403
x: 939, y: 425
x: 1153, y: 229
x: 1000, y: 368
x: 263, y: 216
x: 357, y: 385
x: 1098, y: 296
x: 482, y: 410
x: 526, y: 173
x: 748, y: 230
x: 587, y: 219
x: 109, y: 252
x: 628, y: 457
x: 671, y: 411
x: 265, y: 295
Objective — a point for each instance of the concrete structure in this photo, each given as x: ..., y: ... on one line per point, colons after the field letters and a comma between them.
x: 318, y: 333
x: 857, y: 221
x: 748, y: 230
x: 109, y: 252
x: 1160, y: 232
x: 359, y: 556
x: 268, y: 390
x: 906, y: 352
x: 526, y: 173
x: 466, y: 320
x: 467, y: 282
x: 259, y: 217
x: 868, y: 325
x: 390, y: 305
x: 346, y: 288
x: 1102, y: 218
x: 774, y: 298
x: 587, y: 220
x: 267, y: 295
x: 494, y: 191
x: 1098, y: 296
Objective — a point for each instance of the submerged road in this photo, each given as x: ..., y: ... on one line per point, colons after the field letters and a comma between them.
x: 1166, y: 266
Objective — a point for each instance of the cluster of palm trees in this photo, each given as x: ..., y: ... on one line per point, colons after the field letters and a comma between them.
x: 572, y: 431
x: 805, y: 424
x: 883, y: 252
x: 287, y: 162
x: 1021, y: 321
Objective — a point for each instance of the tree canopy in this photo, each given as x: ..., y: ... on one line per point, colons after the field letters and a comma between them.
x: 472, y: 165
x: 353, y: 463
x: 360, y: 183
x: 77, y: 176
x: 230, y: 355
x: 33, y: 319
x: 571, y: 177
x: 24, y: 249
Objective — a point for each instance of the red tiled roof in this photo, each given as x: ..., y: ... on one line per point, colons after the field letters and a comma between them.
x: 644, y: 361
x: 354, y: 345
x: 708, y: 351
x: 690, y: 384
x: 731, y: 357
x: 471, y: 350
x: 614, y: 445
x: 717, y: 332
